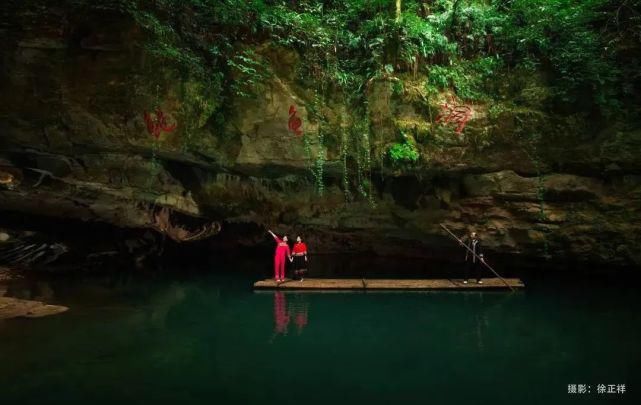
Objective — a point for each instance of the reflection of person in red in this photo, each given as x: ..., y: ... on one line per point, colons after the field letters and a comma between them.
x: 301, y: 319
x: 281, y: 315
x: 298, y: 308
x: 282, y: 251
x: 299, y: 259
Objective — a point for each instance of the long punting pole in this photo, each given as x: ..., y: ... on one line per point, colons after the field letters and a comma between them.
x: 478, y: 257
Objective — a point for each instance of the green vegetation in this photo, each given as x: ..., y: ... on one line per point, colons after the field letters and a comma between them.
x: 403, y: 153
x: 586, y: 53
x: 457, y: 43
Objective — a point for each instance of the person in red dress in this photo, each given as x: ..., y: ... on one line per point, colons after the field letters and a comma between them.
x: 282, y: 251
x: 299, y: 257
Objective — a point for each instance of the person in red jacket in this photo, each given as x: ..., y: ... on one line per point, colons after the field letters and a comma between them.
x: 300, y: 259
x: 282, y: 251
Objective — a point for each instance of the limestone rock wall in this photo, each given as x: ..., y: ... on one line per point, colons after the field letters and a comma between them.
x: 74, y: 144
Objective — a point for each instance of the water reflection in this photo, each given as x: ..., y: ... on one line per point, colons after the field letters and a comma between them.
x: 483, y: 306
x: 174, y: 335
x: 474, y: 303
x: 297, y: 309
x: 281, y: 315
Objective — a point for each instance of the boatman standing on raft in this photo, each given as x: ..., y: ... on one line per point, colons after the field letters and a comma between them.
x: 472, y: 262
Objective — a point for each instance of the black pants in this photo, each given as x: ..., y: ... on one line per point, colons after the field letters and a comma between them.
x: 473, y: 267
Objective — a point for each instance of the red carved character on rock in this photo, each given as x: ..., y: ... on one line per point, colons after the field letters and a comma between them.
x: 157, y: 123
x: 294, y: 121
x: 456, y: 114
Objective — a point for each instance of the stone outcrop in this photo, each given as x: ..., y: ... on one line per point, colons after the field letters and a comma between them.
x: 18, y: 308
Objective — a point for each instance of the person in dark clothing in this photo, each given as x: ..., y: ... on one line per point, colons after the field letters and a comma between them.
x: 472, y: 262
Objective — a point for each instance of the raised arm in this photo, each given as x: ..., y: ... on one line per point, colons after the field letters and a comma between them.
x: 273, y: 235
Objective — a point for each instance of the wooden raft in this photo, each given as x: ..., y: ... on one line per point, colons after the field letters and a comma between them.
x: 386, y: 284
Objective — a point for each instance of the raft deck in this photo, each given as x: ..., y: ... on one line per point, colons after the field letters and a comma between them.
x: 386, y: 284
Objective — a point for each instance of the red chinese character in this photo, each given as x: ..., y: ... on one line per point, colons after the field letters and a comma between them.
x: 456, y: 114
x: 157, y: 123
x: 294, y: 122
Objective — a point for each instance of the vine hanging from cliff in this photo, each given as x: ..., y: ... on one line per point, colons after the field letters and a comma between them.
x: 316, y: 160
x: 530, y: 146
x: 344, y: 154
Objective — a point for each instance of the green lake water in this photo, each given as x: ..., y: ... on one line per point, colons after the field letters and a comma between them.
x: 205, y: 337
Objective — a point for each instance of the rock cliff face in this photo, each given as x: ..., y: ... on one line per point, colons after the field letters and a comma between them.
x: 74, y: 143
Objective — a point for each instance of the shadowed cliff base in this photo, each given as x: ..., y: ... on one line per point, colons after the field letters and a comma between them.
x: 45, y: 245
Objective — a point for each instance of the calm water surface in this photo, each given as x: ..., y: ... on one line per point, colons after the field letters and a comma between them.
x: 206, y: 337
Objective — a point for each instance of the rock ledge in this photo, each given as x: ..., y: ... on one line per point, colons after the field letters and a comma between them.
x: 18, y: 308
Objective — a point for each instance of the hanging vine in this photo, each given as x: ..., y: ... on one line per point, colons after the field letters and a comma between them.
x: 317, y: 161
x: 363, y: 164
x: 532, y: 152
x: 320, y: 162
x: 344, y: 153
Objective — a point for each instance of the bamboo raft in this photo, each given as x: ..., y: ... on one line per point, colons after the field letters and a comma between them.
x: 387, y: 284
